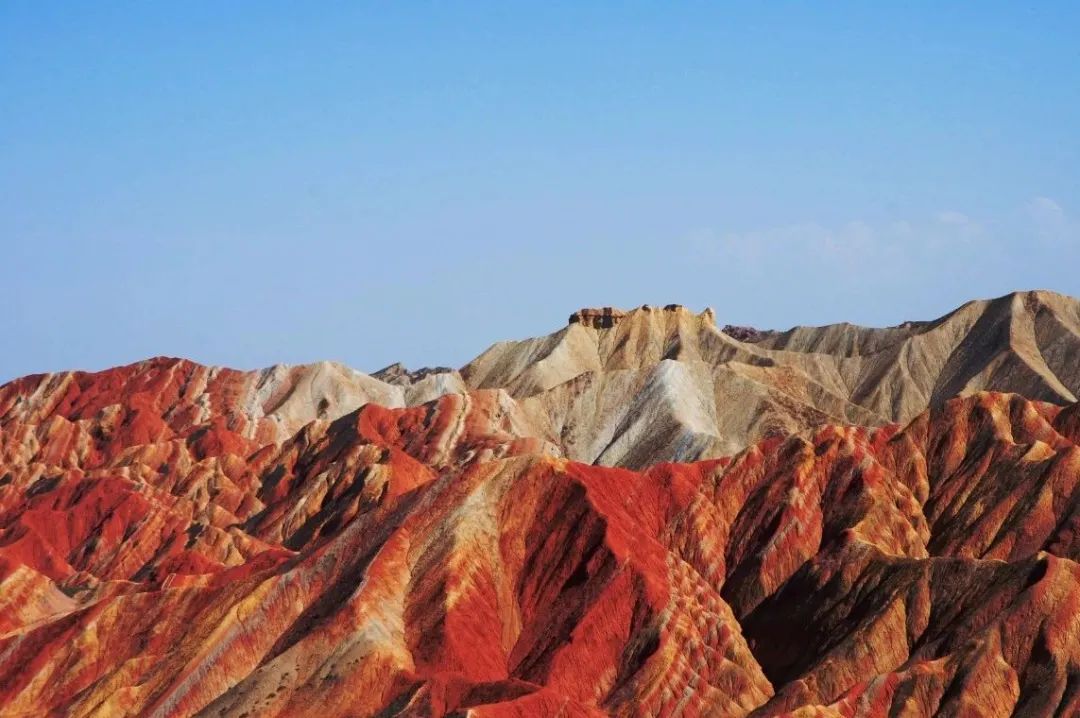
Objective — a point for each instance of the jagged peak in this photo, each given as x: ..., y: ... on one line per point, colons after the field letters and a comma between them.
x: 743, y: 333
x: 398, y: 373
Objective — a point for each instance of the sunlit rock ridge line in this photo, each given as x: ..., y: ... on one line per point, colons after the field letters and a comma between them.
x: 644, y: 513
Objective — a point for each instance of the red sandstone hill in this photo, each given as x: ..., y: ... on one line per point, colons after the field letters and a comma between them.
x: 177, y: 540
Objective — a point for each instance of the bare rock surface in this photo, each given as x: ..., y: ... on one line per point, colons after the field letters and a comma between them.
x: 584, y: 380
x: 179, y: 540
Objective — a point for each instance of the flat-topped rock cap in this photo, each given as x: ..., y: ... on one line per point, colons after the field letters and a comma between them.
x: 607, y: 317
x: 598, y: 318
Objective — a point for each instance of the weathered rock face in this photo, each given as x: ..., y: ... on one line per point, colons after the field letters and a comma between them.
x: 610, y: 378
x: 177, y: 540
x: 422, y: 385
x: 742, y: 333
x: 602, y: 318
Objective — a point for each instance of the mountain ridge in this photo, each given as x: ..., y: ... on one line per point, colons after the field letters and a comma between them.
x: 560, y: 528
x: 785, y: 382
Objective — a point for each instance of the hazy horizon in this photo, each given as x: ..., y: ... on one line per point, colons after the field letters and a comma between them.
x: 264, y: 184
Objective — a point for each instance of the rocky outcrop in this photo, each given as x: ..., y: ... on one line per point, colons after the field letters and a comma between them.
x: 603, y: 318
x: 422, y: 385
x: 608, y: 317
x: 743, y: 333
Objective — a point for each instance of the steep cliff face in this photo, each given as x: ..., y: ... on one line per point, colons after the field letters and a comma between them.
x: 178, y: 541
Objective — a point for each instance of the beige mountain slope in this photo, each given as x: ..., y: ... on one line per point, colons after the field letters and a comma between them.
x: 632, y: 388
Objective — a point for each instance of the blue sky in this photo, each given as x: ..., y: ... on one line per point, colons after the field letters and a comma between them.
x: 286, y: 182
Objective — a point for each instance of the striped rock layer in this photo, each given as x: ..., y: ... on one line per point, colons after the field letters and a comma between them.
x: 631, y: 388
x: 178, y: 540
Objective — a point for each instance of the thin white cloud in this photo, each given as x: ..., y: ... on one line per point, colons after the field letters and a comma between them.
x: 1045, y: 210
x: 954, y: 218
x: 865, y: 262
x: 944, y: 237
x: 1050, y: 222
x: 882, y: 247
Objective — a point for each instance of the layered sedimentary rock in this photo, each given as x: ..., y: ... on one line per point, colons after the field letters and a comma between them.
x: 177, y: 540
x: 612, y: 378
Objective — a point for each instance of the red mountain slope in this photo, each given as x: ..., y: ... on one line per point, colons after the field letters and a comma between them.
x: 166, y: 551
